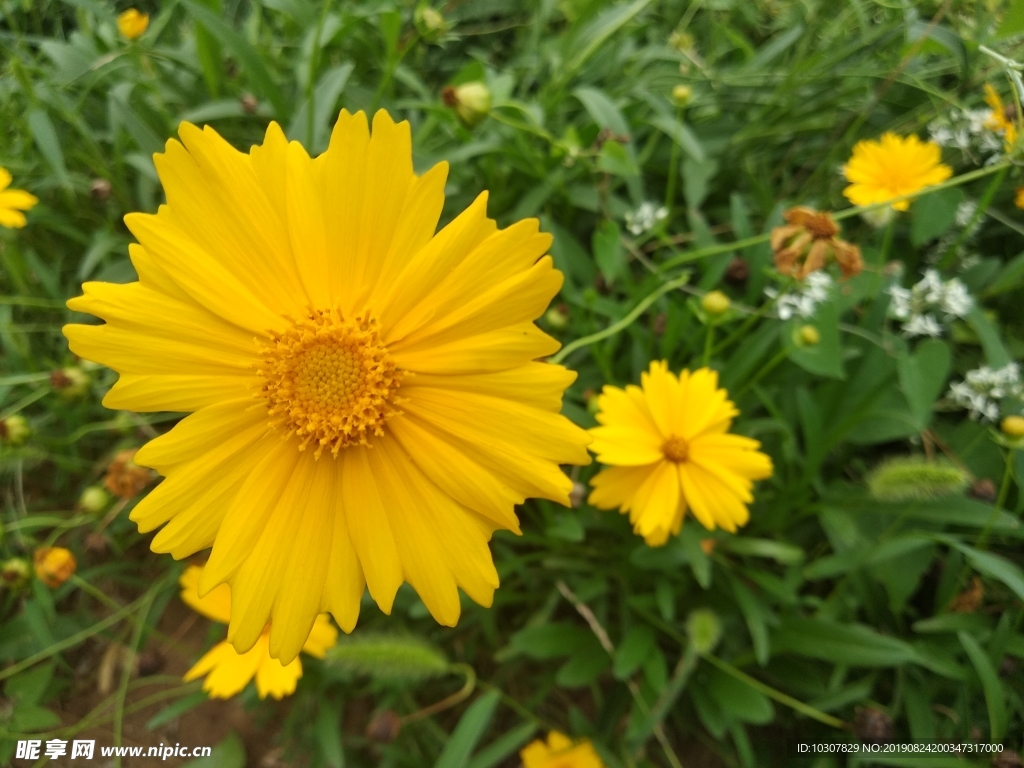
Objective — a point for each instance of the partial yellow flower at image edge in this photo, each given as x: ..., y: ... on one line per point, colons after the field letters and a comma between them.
x: 367, y: 406
x: 13, y: 202
x: 559, y: 751
x: 891, y: 167
x: 667, y: 449
x: 227, y: 672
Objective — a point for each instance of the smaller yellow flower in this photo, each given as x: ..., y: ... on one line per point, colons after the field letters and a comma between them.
x: 1013, y: 426
x: 54, y: 565
x: 227, y: 671
x: 667, y: 448
x: 1003, y: 117
x: 13, y: 202
x: 1018, y: 198
x: 560, y: 752
x: 893, y: 166
x: 132, y: 23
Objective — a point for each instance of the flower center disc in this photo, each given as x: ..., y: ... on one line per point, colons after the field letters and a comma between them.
x: 330, y: 381
x: 676, y: 449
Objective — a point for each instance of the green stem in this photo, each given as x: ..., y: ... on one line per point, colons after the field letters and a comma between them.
x: 779, y: 696
x: 765, y: 370
x: 670, y: 191
x: 622, y: 324
x: 1004, y: 491
x: 126, y: 672
x: 709, y: 338
x: 684, y: 668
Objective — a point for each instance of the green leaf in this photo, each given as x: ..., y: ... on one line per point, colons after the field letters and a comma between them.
x: 503, y: 746
x: 471, y: 728
x: 548, y: 641
x: 29, y: 686
x: 690, y: 537
x: 229, y: 753
x: 387, y: 657
x: 247, y: 56
x: 608, y: 251
x: 1013, y: 20
x: 825, y: 357
x: 615, y: 159
x: 603, y: 110
x: 932, y: 215
x: 586, y: 664
x: 325, y: 98
x: 328, y: 734
x: 995, y: 353
x: 852, y: 644
x: 922, y: 377
x: 779, y: 551
x: 697, y: 175
x: 634, y: 650
x: 45, y: 137
x: 681, y: 134
x: 755, y: 615
x: 178, y: 708
x: 595, y: 34
x: 28, y: 718
x: 208, y: 51
x: 995, y: 697
x: 988, y: 564
x: 740, y: 700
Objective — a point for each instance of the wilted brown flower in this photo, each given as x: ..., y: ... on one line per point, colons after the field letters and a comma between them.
x: 807, y: 240
x: 125, y: 478
x: 384, y: 727
x: 969, y: 600
x: 54, y: 565
x: 872, y: 726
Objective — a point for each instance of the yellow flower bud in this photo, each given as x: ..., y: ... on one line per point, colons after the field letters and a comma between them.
x: 132, y: 23
x: 682, y: 94
x: 715, y: 303
x: 54, y: 565
x: 1013, y: 426
x: 809, y: 335
x: 14, y: 430
x: 94, y: 499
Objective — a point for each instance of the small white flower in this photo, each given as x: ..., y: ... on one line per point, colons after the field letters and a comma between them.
x: 645, y: 217
x: 983, y: 388
x: 965, y: 212
x: 804, y: 299
x: 920, y: 307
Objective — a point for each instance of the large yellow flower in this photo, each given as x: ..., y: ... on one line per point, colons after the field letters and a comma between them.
x: 891, y: 167
x: 560, y: 752
x: 367, y: 406
x: 227, y: 671
x: 1001, y: 120
x: 13, y: 202
x: 668, y: 449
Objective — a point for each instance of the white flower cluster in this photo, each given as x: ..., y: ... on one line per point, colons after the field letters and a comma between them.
x: 983, y: 388
x: 920, y: 308
x: 645, y: 217
x: 805, y: 299
x: 964, y: 129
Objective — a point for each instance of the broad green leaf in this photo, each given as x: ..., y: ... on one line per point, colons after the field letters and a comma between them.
x: 754, y: 614
x: 922, y: 377
x: 697, y: 175
x: 175, y: 710
x: 609, y: 254
x: 681, y: 134
x: 1013, y: 20
x: 634, y: 650
x: 229, y: 753
x: 45, y: 137
x: 29, y: 686
x: 995, y: 353
x: 851, y: 644
x: 779, y: 551
x: 596, y: 33
x: 989, y: 564
x: 208, y: 51
x: 503, y: 746
x: 548, y: 641
x: 328, y: 734
x: 740, y: 700
x: 588, y: 661
x: 825, y: 357
x: 603, y: 110
x: 615, y: 159
x: 467, y: 734
x: 690, y: 536
x: 995, y: 697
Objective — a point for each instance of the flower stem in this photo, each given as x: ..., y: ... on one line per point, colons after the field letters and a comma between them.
x: 709, y: 337
x: 983, y: 204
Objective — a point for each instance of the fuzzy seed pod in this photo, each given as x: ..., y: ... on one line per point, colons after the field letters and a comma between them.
x: 915, y: 478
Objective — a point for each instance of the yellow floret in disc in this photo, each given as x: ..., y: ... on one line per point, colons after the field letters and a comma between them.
x: 367, y: 406
x: 667, y: 448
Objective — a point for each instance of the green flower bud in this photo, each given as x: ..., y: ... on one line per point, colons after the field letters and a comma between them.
x: 682, y: 95
x: 94, y: 499
x: 808, y: 336
x: 715, y: 303
x: 472, y: 101
x: 430, y: 24
x: 14, y: 430
x: 914, y: 477
x: 704, y: 629
x: 557, y: 317
x: 70, y: 383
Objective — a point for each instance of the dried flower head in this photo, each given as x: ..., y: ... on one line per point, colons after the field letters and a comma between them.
x: 807, y: 241
x: 125, y: 478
